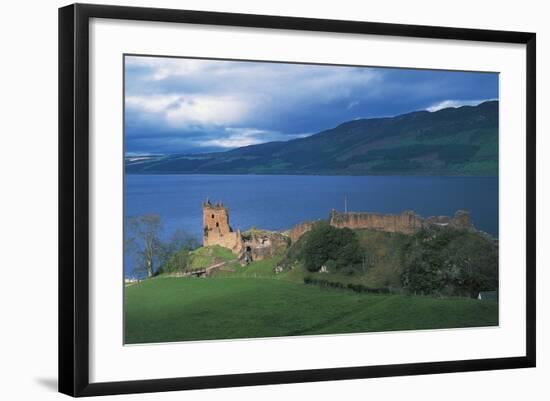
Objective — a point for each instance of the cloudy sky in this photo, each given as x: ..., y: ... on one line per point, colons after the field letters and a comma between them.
x: 178, y: 105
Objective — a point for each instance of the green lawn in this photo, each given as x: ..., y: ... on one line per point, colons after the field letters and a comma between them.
x: 179, y: 309
x: 206, y: 256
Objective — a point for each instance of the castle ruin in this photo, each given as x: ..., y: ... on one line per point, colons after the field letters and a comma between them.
x: 217, y: 231
x: 248, y: 246
x: 407, y: 222
x: 260, y: 244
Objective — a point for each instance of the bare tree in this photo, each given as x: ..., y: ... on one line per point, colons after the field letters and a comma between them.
x: 143, y: 241
x: 176, y: 251
x: 179, y: 240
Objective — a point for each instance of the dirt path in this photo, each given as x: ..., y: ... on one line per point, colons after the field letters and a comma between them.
x: 205, y: 271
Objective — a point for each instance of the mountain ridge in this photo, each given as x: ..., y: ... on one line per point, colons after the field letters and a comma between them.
x: 450, y: 141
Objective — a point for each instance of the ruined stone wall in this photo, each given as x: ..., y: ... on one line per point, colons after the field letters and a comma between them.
x: 299, y: 229
x: 228, y: 240
x: 257, y: 244
x: 217, y: 230
x: 460, y: 221
x: 263, y: 244
x: 407, y: 222
x: 215, y: 218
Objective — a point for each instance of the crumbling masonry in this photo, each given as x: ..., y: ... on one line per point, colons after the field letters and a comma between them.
x: 259, y: 244
x: 217, y: 231
x: 247, y: 246
x: 407, y: 222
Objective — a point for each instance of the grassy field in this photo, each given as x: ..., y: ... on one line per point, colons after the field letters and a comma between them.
x: 254, y: 303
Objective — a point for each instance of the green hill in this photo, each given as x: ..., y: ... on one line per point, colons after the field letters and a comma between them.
x: 278, y: 296
x: 182, y: 309
x: 452, y: 141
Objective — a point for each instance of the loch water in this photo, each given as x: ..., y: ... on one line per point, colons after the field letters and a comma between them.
x: 277, y: 202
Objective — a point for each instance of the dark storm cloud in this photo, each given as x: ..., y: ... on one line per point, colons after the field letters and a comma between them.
x: 189, y: 106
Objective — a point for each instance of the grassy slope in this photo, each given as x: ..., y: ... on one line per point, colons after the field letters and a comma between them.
x: 261, y: 269
x: 171, y: 309
x: 207, y: 256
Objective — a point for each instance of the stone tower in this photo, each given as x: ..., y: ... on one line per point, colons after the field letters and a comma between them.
x: 217, y: 231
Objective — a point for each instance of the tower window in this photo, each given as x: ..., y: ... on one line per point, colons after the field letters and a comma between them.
x: 212, y: 216
x: 217, y: 224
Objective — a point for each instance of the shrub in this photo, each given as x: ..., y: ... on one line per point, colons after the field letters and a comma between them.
x: 450, y: 262
x: 351, y: 286
x: 324, y: 243
x: 178, y: 262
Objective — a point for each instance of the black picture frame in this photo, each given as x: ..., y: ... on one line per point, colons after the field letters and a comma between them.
x: 74, y: 198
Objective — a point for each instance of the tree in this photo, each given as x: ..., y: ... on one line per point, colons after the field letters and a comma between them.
x: 326, y: 243
x: 475, y: 263
x: 422, y: 271
x: 179, y: 240
x: 450, y: 262
x: 143, y: 241
x: 176, y: 250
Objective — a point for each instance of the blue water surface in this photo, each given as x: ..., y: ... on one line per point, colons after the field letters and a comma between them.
x: 277, y: 202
